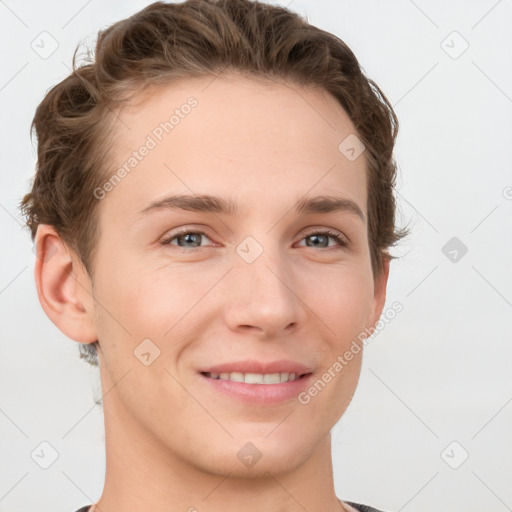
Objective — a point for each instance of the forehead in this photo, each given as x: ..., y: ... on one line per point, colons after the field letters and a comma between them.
x: 262, y: 140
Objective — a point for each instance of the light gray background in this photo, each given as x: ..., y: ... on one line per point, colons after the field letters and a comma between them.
x: 439, y: 372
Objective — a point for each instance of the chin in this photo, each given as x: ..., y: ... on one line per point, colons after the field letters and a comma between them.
x: 257, y: 457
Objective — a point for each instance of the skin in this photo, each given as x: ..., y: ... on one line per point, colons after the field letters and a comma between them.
x: 171, y: 442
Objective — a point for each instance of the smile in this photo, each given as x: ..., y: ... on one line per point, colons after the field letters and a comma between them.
x: 255, y: 378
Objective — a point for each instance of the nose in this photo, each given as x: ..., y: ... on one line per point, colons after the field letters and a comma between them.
x: 263, y: 299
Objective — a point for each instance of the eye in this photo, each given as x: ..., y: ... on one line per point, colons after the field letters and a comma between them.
x: 190, y: 239
x: 320, y: 238
x: 187, y: 236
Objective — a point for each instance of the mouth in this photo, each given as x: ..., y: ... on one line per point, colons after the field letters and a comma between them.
x: 256, y: 378
x: 256, y: 382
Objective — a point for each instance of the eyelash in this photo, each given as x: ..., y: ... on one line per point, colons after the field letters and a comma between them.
x: 340, y: 239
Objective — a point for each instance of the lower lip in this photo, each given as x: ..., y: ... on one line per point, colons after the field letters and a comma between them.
x: 260, y: 394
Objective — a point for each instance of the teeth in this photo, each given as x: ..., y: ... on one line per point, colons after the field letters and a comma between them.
x: 271, y: 378
x: 255, y: 378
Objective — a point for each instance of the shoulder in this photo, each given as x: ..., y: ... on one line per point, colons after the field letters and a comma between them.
x: 358, y: 507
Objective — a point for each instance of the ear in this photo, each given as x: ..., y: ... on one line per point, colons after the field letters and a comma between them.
x: 379, y: 293
x: 63, y: 286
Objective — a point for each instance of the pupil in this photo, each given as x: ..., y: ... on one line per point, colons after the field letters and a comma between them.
x: 317, y: 237
x: 189, y: 238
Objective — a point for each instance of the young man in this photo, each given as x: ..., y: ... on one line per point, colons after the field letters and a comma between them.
x: 212, y: 210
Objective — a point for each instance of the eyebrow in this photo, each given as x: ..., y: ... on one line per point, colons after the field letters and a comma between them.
x: 216, y: 204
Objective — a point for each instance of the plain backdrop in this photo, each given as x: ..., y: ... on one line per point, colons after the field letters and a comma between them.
x: 429, y: 426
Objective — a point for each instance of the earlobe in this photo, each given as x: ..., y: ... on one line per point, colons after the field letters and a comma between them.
x: 63, y: 286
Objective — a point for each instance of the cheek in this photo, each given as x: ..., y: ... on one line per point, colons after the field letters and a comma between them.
x: 344, y: 304
x: 343, y: 301
x: 141, y: 301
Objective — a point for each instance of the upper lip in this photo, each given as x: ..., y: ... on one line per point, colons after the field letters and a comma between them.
x: 252, y: 366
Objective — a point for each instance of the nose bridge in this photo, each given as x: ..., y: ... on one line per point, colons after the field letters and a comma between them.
x: 264, y: 297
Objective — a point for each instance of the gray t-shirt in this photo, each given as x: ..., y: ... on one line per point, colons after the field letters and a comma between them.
x: 357, y: 506
x: 362, y: 508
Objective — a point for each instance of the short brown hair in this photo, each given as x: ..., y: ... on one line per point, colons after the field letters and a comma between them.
x: 164, y: 42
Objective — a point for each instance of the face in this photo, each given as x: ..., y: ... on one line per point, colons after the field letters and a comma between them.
x: 249, y: 286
